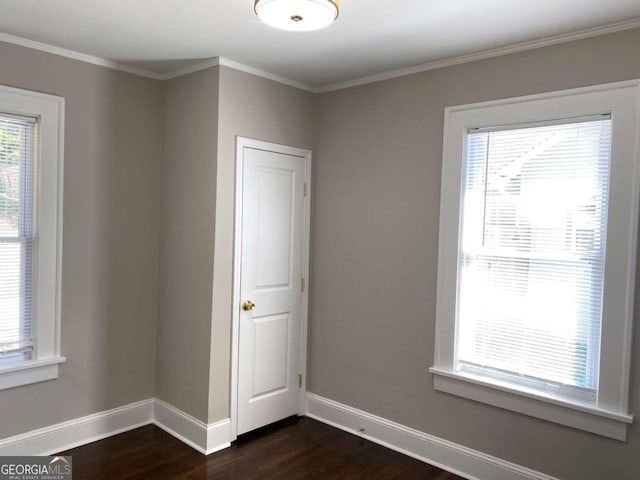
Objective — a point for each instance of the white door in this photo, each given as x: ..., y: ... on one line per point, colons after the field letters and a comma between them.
x: 272, y: 231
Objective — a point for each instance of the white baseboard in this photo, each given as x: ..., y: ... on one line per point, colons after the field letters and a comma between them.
x: 73, y: 433
x: 79, y: 431
x: 206, y: 439
x: 444, y: 454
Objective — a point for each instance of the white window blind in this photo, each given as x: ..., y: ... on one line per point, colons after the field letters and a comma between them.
x: 531, y: 263
x: 17, y: 149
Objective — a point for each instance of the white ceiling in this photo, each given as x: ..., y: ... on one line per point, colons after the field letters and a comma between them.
x: 369, y: 37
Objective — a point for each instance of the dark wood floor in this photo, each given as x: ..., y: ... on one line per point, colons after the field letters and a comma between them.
x: 295, y: 449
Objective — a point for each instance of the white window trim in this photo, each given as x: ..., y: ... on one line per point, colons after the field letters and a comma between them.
x: 608, y: 415
x: 46, y: 357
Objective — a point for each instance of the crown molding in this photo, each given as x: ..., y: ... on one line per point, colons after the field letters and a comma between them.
x: 221, y: 61
x: 268, y: 75
x: 211, y: 62
x: 83, y: 57
x: 225, y: 62
x: 484, y: 54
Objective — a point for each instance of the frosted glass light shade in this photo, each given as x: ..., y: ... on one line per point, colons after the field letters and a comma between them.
x: 297, y: 15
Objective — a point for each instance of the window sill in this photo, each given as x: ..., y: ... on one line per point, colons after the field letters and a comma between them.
x: 31, y: 371
x: 587, y: 417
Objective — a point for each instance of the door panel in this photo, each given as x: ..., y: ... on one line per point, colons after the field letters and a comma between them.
x: 274, y: 232
x: 271, y: 359
x: 271, y: 270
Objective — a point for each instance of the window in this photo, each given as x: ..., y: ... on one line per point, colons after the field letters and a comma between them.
x: 537, y: 255
x: 30, y: 232
x: 17, y: 150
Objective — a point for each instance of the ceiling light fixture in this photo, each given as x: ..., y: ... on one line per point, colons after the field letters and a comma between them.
x: 297, y: 15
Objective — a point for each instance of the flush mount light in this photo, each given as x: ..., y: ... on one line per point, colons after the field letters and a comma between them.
x: 298, y: 15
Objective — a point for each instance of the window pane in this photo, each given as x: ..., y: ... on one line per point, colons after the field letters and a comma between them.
x: 12, y: 308
x: 12, y: 150
x: 532, y: 257
x: 16, y: 236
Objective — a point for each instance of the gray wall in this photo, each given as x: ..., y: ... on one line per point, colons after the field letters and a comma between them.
x: 186, y: 241
x: 203, y: 113
x: 109, y: 271
x: 257, y: 108
x: 375, y: 248
x: 141, y: 189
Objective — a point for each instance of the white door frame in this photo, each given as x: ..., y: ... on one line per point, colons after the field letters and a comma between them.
x: 305, y: 156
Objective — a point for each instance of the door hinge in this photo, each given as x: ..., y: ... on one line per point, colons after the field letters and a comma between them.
x: 305, y: 191
x: 302, y: 284
x: 299, y: 380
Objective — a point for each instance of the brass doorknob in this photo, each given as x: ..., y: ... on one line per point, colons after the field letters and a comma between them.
x: 248, y: 305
